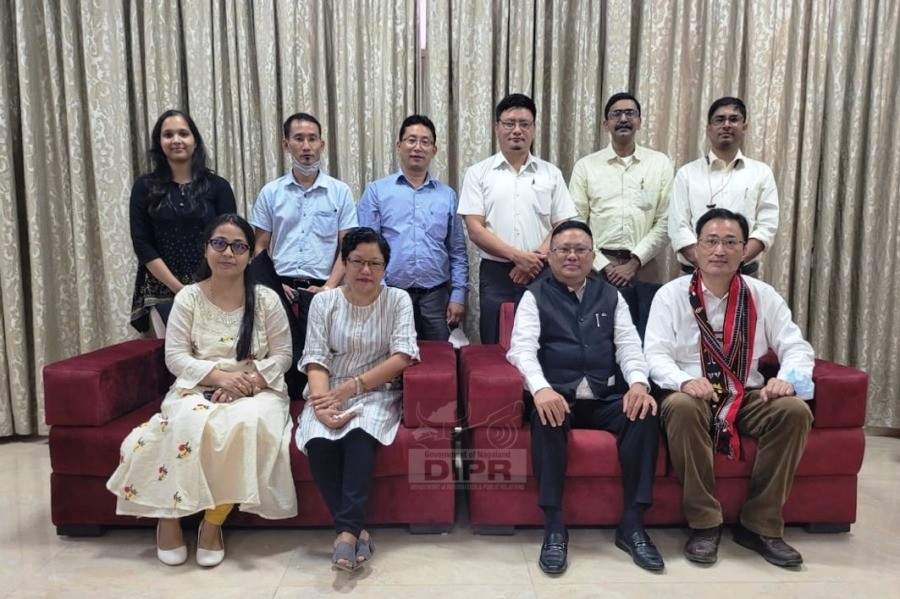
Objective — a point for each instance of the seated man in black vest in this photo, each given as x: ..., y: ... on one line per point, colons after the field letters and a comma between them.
x: 574, y: 342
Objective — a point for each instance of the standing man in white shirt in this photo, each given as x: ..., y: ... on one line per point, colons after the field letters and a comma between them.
x: 705, y: 335
x: 575, y: 344
x: 622, y: 193
x: 510, y: 204
x: 724, y: 178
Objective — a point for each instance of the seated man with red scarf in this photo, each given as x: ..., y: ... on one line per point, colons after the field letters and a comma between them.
x: 705, y: 335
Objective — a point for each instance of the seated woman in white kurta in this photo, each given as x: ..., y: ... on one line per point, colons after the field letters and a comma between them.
x: 359, y: 340
x: 223, y: 431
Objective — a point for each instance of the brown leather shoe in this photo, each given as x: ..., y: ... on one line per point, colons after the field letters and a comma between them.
x: 703, y: 545
x: 773, y: 549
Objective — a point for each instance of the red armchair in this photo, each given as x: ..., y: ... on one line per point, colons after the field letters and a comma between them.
x: 503, y: 495
x: 93, y: 400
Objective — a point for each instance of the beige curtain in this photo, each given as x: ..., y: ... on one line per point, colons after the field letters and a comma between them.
x: 81, y: 85
x: 820, y: 80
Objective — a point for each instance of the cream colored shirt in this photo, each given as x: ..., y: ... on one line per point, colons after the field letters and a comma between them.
x: 624, y: 202
x: 518, y: 207
x: 744, y: 185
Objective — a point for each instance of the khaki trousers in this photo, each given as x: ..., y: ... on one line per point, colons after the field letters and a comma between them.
x: 781, y: 427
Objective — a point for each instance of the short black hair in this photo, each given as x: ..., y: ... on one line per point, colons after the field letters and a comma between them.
x: 726, y: 101
x: 724, y: 214
x: 618, y: 98
x: 515, y: 101
x: 358, y: 235
x: 571, y: 224
x: 301, y: 116
x: 417, y: 119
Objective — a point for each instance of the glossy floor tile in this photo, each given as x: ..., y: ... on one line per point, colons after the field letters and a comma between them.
x: 34, y: 562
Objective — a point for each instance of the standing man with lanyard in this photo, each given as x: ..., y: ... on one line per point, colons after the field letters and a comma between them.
x: 417, y: 216
x: 724, y: 178
x: 301, y: 218
x: 622, y: 193
x: 510, y: 203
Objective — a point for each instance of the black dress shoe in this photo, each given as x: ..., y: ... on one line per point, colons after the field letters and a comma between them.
x: 703, y: 545
x: 642, y: 550
x: 773, y: 549
x: 553, y: 552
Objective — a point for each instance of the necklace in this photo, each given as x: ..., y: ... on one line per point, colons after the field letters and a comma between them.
x: 184, y: 188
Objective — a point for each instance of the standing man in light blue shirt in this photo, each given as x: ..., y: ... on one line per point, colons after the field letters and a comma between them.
x: 301, y: 218
x: 417, y: 216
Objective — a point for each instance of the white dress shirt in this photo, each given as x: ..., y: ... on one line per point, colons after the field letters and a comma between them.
x: 624, y: 201
x: 672, y: 338
x: 518, y: 207
x: 743, y: 185
x: 525, y: 342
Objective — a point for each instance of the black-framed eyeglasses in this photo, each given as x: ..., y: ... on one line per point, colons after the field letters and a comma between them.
x: 511, y: 124
x: 424, y: 142
x: 628, y: 113
x: 729, y: 243
x: 578, y: 250
x: 374, y: 265
x: 237, y: 247
x: 721, y: 119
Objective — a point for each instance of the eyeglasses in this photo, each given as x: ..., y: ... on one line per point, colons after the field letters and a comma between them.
x: 374, y: 265
x: 237, y: 247
x: 564, y: 251
x: 423, y: 142
x: 729, y: 243
x: 510, y: 125
x: 721, y: 119
x: 629, y: 113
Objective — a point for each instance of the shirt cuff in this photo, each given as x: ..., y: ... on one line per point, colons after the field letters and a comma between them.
x: 458, y: 296
x: 535, y: 383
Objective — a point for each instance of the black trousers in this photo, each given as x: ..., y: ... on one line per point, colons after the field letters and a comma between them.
x: 343, y: 471
x: 430, y: 313
x: 637, y: 443
x: 495, y: 288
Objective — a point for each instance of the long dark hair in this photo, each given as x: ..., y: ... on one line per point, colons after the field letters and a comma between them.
x: 160, y: 175
x: 204, y: 272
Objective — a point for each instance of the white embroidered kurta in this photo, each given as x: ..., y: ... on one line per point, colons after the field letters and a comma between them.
x: 348, y: 340
x: 196, y: 454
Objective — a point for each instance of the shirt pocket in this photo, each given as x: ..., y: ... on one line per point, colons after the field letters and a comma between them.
x: 325, y: 224
x: 543, y: 200
x: 438, y: 223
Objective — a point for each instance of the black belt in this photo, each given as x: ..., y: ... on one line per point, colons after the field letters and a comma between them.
x: 617, y: 254
x: 424, y: 290
x: 746, y: 269
x: 301, y: 283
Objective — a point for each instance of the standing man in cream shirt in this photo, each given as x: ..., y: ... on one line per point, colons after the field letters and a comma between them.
x: 510, y: 203
x: 622, y: 193
x: 724, y: 178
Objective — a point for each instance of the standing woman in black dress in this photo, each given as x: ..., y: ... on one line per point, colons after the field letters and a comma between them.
x: 170, y: 207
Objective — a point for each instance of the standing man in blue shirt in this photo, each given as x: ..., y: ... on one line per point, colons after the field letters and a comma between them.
x: 417, y: 216
x: 301, y: 218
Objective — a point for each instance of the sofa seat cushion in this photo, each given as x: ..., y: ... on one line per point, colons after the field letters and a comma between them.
x: 94, y: 450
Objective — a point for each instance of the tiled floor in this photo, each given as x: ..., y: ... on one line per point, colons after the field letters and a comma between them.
x: 34, y: 562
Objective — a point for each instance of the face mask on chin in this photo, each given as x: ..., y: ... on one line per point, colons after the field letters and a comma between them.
x: 303, y: 169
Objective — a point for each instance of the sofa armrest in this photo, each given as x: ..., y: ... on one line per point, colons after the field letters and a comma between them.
x: 493, y: 389
x: 841, y: 393
x: 429, y: 387
x: 97, y: 387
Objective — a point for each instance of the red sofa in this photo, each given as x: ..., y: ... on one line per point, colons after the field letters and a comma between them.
x: 93, y: 400
x: 503, y: 494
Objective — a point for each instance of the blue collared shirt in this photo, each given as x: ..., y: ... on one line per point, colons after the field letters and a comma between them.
x: 304, y: 223
x: 428, y: 246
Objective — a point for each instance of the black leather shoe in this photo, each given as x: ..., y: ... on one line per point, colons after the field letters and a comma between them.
x: 703, y: 545
x: 773, y: 549
x: 642, y: 550
x: 554, y: 552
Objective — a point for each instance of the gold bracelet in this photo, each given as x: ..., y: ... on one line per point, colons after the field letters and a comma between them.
x: 358, y: 385
x: 361, y: 383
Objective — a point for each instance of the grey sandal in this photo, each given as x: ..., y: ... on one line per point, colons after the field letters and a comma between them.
x: 364, y: 549
x: 343, y: 551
